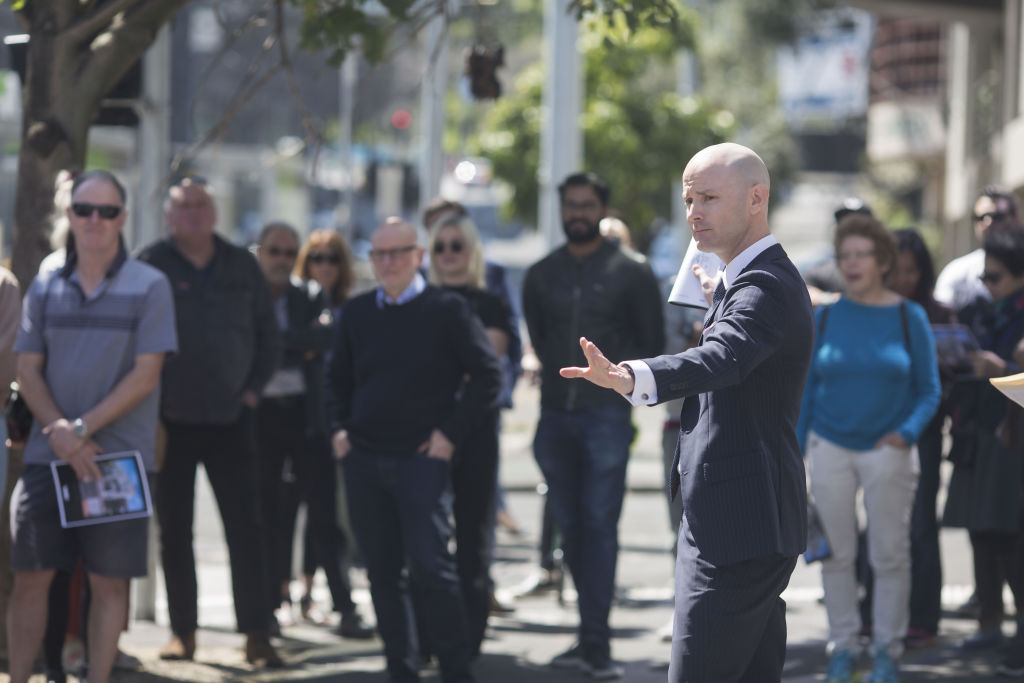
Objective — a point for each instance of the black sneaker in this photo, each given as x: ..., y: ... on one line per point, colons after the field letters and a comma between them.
x: 1012, y: 665
x: 573, y: 658
x: 600, y: 666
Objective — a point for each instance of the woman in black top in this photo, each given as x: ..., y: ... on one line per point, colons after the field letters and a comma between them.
x: 457, y: 264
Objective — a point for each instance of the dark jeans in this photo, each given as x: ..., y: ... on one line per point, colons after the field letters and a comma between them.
x: 583, y: 456
x: 282, y: 439
x: 228, y: 456
x: 925, y: 557
x: 474, y: 479
x: 400, y: 508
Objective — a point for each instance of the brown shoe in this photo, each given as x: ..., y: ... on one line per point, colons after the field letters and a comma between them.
x: 180, y: 647
x: 259, y: 651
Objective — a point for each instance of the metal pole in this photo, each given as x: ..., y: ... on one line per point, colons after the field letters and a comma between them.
x: 561, y: 140
x: 432, y: 95
x: 346, y: 93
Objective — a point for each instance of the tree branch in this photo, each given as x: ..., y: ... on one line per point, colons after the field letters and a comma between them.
x: 289, y: 73
x: 93, y: 21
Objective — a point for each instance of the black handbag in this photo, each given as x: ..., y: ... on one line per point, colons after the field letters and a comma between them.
x: 18, y: 416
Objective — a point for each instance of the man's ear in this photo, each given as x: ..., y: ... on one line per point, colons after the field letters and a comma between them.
x: 758, y: 198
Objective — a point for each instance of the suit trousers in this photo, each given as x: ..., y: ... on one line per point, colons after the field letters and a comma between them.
x: 400, y: 508
x: 229, y: 458
x: 730, y: 621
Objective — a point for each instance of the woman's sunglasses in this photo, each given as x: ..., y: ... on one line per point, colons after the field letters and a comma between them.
x: 991, y: 278
x: 106, y: 211
x: 333, y: 259
x: 455, y: 246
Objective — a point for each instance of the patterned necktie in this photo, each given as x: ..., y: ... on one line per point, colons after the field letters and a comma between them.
x: 715, y: 300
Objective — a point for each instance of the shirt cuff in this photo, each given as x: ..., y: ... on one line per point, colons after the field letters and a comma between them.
x: 645, y: 389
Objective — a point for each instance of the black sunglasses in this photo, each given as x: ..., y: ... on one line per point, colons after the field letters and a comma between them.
x: 455, y: 246
x: 993, y: 216
x: 333, y: 259
x: 991, y: 278
x: 106, y: 211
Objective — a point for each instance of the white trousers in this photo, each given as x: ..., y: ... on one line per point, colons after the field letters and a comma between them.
x: 888, y: 478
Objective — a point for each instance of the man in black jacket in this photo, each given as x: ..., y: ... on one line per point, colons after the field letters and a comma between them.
x: 588, y: 287
x: 228, y: 347
x: 411, y: 371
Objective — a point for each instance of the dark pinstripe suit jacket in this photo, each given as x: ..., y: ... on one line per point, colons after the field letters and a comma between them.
x: 742, y: 484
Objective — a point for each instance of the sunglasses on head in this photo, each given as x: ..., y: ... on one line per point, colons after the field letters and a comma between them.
x: 455, y: 246
x: 106, y: 211
x: 333, y: 259
x: 991, y: 278
x: 993, y: 216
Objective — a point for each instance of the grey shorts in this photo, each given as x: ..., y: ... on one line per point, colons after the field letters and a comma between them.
x: 115, y: 550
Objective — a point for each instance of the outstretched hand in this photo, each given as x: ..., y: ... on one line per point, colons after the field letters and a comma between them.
x: 600, y: 370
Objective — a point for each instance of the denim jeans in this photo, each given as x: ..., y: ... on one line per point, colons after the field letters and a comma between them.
x: 583, y: 456
x: 401, y: 508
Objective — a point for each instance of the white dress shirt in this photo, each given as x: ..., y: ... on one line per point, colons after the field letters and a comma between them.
x: 645, y: 389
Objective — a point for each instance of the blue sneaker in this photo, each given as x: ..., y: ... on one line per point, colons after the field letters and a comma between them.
x: 840, y: 667
x: 885, y: 669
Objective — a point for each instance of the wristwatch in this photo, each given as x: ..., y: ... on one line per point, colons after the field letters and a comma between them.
x: 80, y: 429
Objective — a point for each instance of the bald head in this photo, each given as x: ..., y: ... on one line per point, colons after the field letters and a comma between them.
x: 741, y: 162
x: 395, y: 226
x: 725, y: 188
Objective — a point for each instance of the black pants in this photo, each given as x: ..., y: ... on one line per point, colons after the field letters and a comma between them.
x: 283, y: 439
x: 998, y: 557
x: 925, y: 556
x: 228, y: 456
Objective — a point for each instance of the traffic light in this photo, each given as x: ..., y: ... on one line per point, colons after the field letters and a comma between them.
x: 481, y: 65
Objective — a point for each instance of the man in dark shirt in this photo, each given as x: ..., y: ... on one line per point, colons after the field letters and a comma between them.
x: 229, y: 345
x: 588, y: 286
x: 412, y: 369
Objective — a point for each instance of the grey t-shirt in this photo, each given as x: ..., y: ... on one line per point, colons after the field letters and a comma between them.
x: 91, y: 343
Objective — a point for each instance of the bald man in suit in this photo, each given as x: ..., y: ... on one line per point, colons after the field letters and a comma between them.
x: 738, y: 468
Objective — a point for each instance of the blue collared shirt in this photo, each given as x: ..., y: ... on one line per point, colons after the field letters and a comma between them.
x: 414, y: 289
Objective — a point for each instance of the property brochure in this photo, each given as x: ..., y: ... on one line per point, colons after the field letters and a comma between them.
x: 121, y: 493
x: 1012, y: 386
x: 686, y: 291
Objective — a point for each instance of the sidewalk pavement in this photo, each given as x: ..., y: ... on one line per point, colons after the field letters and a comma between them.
x: 520, y: 644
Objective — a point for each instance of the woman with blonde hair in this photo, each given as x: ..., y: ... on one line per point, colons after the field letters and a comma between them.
x: 457, y: 264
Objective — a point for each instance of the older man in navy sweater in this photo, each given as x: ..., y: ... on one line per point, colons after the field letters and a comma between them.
x: 411, y: 369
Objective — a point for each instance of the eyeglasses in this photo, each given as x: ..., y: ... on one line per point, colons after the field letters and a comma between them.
x: 855, y: 255
x: 991, y: 278
x: 333, y: 259
x: 455, y: 246
x: 106, y: 211
x: 381, y: 255
x: 993, y: 216
x: 276, y: 252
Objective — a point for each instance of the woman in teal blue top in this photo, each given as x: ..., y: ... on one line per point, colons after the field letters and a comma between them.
x: 872, y: 388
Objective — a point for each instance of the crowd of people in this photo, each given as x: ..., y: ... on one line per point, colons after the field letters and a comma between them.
x: 379, y: 411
